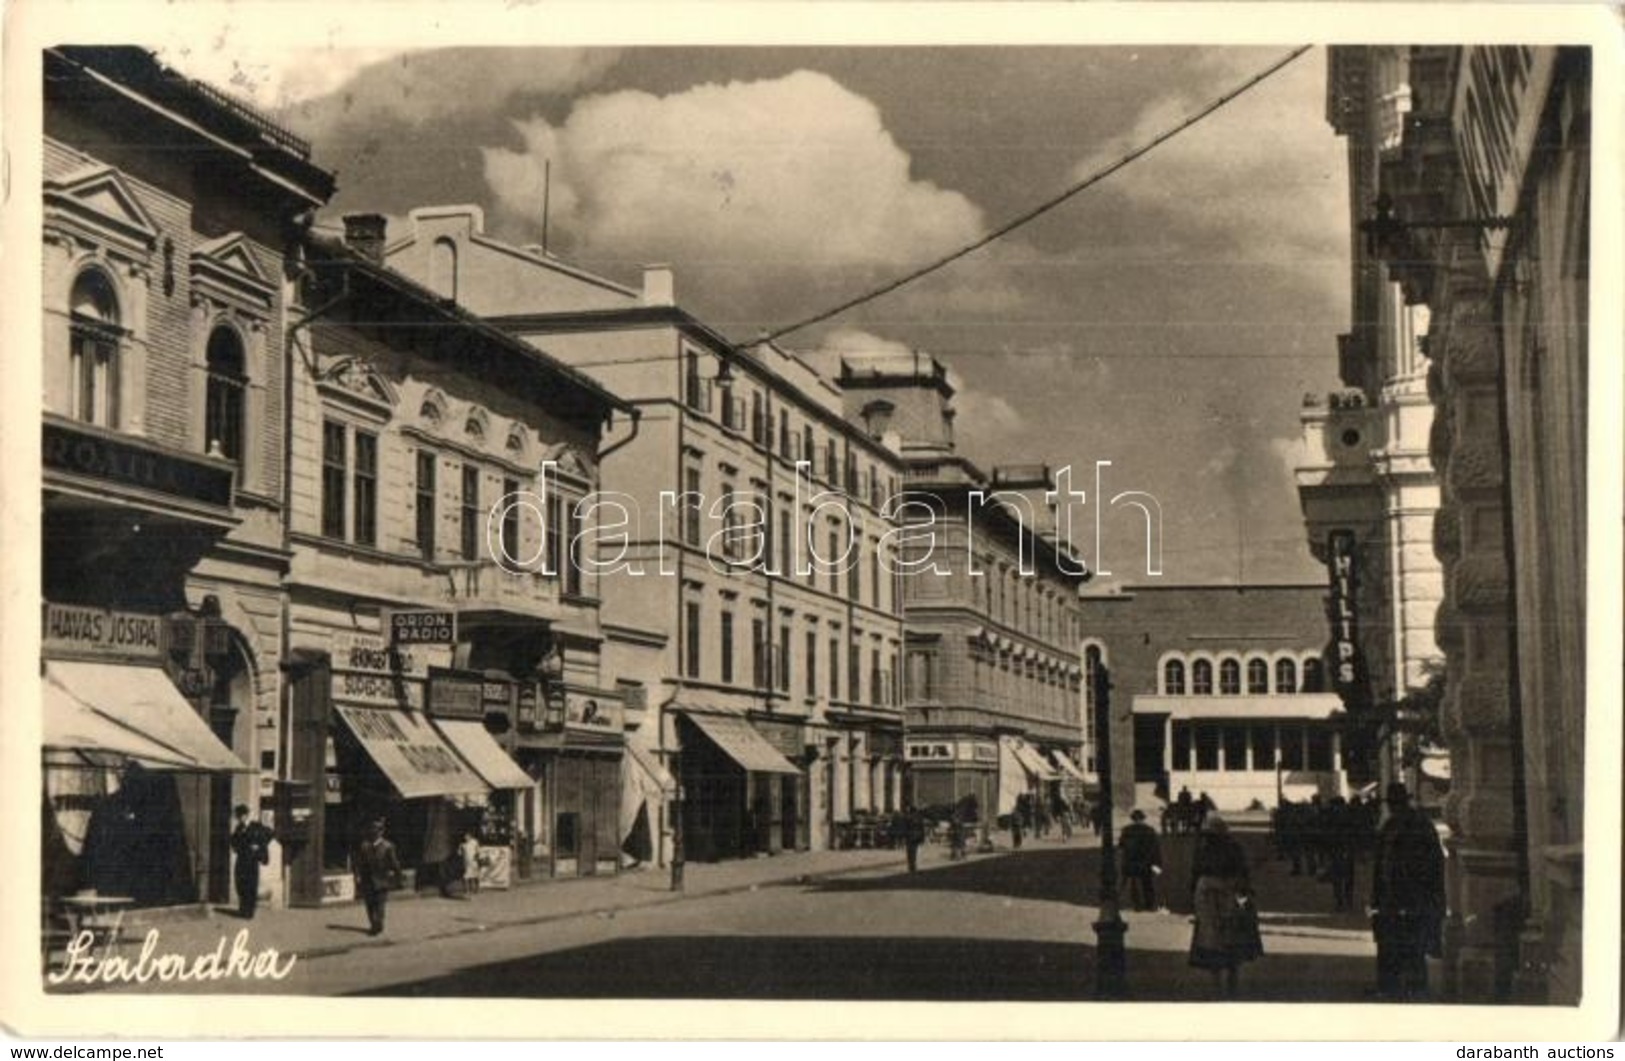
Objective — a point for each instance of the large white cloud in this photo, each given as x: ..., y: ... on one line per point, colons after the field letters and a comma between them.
x: 788, y: 176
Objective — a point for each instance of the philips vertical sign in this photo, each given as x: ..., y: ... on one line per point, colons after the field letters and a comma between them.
x: 1347, y: 669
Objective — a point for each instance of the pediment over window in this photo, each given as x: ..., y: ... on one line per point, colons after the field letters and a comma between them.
x: 354, y: 380
x: 98, y: 202
x: 226, y: 267
x: 570, y: 464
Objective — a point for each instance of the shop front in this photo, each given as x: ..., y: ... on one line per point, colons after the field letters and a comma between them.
x: 949, y: 773
x: 741, y: 794
x: 572, y: 748
x: 131, y: 765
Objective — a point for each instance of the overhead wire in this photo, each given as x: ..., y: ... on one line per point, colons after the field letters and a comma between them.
x: 1042, y: 208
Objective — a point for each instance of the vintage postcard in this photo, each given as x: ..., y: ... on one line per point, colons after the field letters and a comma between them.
x: 717, y: 520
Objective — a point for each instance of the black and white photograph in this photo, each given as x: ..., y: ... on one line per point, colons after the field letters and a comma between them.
x: 759, y: 512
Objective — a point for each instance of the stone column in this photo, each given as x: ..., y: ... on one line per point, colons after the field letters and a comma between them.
x: 1475, y: 630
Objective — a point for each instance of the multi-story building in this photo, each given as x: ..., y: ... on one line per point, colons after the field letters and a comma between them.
x: 1218, y: 690
x: 1368, y: 490
x: 439, y: 469
x: 1482, y: 215
x: 751, y: 591
x: 992, y: 687
x: 168, y: 209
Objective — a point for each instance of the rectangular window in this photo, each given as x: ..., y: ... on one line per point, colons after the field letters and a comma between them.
x: 1182, y: 745
x: 811, y: 664
x: 691, y: 506
x: 471, y: 512
x: 834, y: 668
x: 808, y: 448
x: 784, y: 434
x: 691, y: 654
x: 1235, y: 748
x: 1207, y: 747
x: 919, y: 676
x: 427, y: 463
x: 95, y: 373
x: 1291, y: 747
x: 554, y: 532
x: 786, y: 656
x: 694, y: 385
x: 874, y: 574
x: 758, y: 419
x: 854, y: 575
x: 578, y: 534
x: 854, y: 672
x: 758, y: 653
x: 877, y: 688
x: 786, y: 542
x: 1320, y: 749
x: 1263, y: 738
x: 727, y: 646
x: 335, y: 470
x: 366, y: 488
x: 834, y: 566
x: 511, y: 546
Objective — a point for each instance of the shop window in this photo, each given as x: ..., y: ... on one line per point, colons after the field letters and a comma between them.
x: 1182, y: 746
x: 1235, y: 748
x: 727, y: 647
x: 1314, y: 675
x: 1173, y: 678
x: 1229, y: 677
x: 1291, y: 748
x: 1207, y: 747
x: 1258, y: 677
x: 425, y: 495
x: 1286, y: 676
x: 1320, y: 749
x: 95, y: 339
x: 223, y: 395
x: 1202, y: 678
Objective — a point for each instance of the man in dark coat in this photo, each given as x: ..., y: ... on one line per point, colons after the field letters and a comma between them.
x: 1407, y: 897
x: 913, y: 836
x: 1142, y: 860
x: 251, y: 843
x: 377, y: 869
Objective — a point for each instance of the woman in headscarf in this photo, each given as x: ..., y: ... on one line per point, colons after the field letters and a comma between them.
x: 1226, y: 933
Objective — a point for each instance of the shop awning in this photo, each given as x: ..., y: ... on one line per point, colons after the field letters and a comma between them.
x: 129, y: 713
x: 1033, y: 762
x: 736, y: 737
x: 1068, y: 767
x: 415, y: 758
x: 481, y: 751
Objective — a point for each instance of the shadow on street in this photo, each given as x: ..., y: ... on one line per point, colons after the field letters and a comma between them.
x: 1059, y: 876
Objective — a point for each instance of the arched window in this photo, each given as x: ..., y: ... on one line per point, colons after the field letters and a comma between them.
x: 94, y: 350
x: 1202, y: 678
x: 1286, y: 676
x: 443, y: 268
x: 1230, y: 677
x: 1173, y: 677
x: 223, y: 407
x: 1314, y: 676
x: 1258, y: 677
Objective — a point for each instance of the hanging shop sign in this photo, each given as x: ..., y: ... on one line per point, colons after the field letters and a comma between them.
x: 528, y: 707
x: 77, y: 452
x: 70, y: 630
x: 925, y: 751
x: 785, y: 737
x: 456, y: 694
x: 1344, y: 660
x: 367, y: 670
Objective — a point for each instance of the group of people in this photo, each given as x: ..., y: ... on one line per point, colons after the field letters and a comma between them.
x: 1324, y: 839
x: 1042, y: 815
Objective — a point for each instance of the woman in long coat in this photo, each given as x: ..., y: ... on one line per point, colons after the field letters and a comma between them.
x: 1226, y: 933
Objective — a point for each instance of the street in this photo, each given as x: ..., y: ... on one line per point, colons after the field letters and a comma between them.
x: 1010, y: 926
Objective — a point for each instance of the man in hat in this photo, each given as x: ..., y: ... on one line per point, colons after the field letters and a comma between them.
x: 251, y: 844
x: 377, y: 870
x: 1407, y: 897
x: 1142, y: 860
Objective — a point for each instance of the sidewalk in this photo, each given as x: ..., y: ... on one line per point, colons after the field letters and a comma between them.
x: 323, y: 932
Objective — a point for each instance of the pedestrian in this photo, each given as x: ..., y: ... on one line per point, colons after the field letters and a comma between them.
x: 1226, y: 933
x: 913, y: 836
x: 1340, y: 842
x: 956, y: 838
x: 470, y: 850
x: 251, y: 843
x: 1142, y: 860
x: 377, y: 869
x: 1063, y: 815
x: 1407, y: 898
x: 1204, y: 805
x: 1015, y: 829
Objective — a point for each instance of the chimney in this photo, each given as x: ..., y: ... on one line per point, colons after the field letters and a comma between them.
x: 658, y: 286
x: 364, y: 233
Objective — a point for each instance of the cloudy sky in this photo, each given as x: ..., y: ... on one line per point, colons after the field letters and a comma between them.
x: 1168, y: 320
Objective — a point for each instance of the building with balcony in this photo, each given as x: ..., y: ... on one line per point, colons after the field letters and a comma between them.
x: 747, y: 585
x: 992, y: 671
x: 1219, y: 690
x: 1367, y: 487
x: 439, y: 471
x: 167, y: 211
x: 1481, y: 214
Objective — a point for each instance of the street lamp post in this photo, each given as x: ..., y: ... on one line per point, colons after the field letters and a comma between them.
x: 1111, y: 957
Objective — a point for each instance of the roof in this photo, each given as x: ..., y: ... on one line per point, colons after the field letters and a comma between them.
x: 334, y: 253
